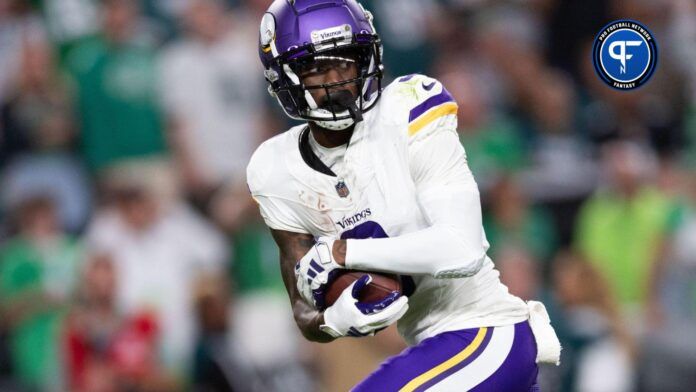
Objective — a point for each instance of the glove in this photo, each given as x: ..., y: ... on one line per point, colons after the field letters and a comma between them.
x: 315, y: 270
x: 348, y: 317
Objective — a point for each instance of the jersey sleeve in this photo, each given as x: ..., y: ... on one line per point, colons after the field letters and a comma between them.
x: 454, y: 245
x: 277, y: 216
x: 277, y: 211
x: 428, y: 119
x: 440, y: 162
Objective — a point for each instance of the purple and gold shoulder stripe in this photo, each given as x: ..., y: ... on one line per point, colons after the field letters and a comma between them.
x: 432, y: 109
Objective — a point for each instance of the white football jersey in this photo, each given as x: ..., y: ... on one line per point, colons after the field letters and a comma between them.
x: 373, y: 195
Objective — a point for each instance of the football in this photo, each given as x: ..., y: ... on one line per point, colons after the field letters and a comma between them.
x: 381, y: 286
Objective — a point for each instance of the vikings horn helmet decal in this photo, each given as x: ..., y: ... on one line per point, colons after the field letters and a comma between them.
x: 293, y: 33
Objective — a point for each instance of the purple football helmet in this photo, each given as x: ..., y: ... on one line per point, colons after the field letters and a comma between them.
x: 296, y: 33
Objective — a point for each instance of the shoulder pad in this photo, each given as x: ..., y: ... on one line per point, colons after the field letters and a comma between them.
x: 267, y: 162
x: 422, y: 102
x: 260, y: 167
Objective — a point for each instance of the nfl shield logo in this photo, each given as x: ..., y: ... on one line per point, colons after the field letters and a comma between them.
x: 342, y: 189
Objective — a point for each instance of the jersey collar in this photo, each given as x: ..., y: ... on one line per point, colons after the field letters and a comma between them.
x: 309, y: 157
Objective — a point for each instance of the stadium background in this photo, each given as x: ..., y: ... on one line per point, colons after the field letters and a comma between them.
x: 132, y: 258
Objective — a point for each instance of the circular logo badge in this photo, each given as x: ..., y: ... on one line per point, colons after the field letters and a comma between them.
x: 624, y: 54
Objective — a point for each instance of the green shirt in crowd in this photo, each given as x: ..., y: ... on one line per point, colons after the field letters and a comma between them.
x: 28, y: 276
x: 622, y: 238
x: 68, y: 22
x: 535, y: 233
x: 495, y: 148
x: 256, y: 261
x: 117, y: 101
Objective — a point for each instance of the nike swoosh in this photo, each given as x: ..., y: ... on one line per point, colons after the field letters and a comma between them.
x: 428, y: 87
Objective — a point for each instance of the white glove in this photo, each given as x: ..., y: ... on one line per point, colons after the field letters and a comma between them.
x: 349, y: 317
x: 314, y: 270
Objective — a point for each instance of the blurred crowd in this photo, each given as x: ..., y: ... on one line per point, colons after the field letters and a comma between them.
x: 132, y: 257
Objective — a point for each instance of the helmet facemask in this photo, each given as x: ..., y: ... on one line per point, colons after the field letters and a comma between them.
x: 340, y: 108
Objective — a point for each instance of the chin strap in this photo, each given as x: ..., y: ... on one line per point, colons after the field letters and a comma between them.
x: 345, y: 99
x: 355, y: 113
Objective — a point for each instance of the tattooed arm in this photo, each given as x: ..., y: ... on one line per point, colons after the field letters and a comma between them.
x: 292, y: 247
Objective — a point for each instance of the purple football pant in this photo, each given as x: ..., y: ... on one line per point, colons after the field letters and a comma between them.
x: 499, y: 359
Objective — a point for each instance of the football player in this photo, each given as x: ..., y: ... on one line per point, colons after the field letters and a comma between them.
x: 377, y: 180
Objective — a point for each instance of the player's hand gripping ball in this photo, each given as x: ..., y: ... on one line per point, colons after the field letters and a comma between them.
x: 380, y: 286
x: 349, y: 317
x: 320, y: 280
x: 314, y: 270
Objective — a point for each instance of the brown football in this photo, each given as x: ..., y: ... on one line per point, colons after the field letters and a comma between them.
x: 381, y: 286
